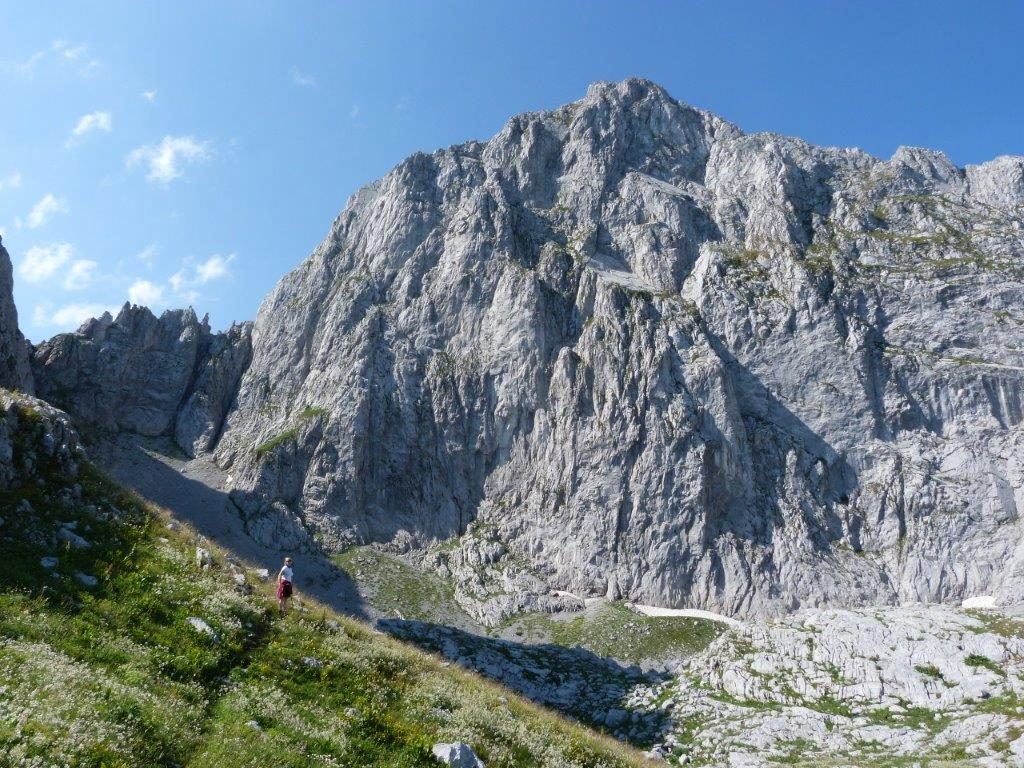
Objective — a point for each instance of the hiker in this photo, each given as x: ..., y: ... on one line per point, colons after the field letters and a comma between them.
x: 284, y: 585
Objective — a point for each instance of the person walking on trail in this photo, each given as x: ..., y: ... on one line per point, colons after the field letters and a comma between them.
x: 284, y: 585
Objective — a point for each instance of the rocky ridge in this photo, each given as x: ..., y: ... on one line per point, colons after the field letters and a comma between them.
x: 147, y: 375
x: 650, y: 355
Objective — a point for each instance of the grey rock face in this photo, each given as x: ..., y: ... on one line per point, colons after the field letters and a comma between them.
x: 659, y: 359
x: 148, y: 375
x: 220, y: 367
x: 15, y: 372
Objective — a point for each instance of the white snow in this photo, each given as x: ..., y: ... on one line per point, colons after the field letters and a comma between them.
x: 692, y: 613
x: 979, y: 601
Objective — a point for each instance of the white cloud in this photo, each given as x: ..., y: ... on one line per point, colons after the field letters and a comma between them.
x: 44, y: 209
x: 11, y: 181
x: 148, y: 255
x: 94, y: 121
x: 69, y: 316
x: 145, y: 293
x: 354, y: 112
x: 303, y: 80
x: 214, y: 267
x: 178, y: 280
x: 165, y: 161
x: 80, y: 274
x: 42, y: 262
x: 149, y: 96
x: 185, y: 282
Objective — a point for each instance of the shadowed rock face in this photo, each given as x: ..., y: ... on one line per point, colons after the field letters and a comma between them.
x: 655, y: 357
x: 147, y: 375
x: 15, y: 372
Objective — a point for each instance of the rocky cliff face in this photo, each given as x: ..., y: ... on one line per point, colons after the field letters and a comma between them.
x: 654, y: 357
x: 152, y: 376
x: 14, y: 366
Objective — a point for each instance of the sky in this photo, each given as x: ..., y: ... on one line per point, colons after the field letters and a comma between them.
x: 192, y: 153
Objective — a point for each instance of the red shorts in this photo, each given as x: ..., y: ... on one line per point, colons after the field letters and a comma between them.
x: 284, y: 590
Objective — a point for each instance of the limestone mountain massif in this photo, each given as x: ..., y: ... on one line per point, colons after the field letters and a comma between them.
x: 624, y: 348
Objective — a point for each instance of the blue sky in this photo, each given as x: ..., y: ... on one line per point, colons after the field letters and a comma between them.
x: 193, y: 152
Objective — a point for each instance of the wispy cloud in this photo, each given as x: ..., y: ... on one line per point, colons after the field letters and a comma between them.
x: 354, y: 112
x: 94, y: 121
x: 190, y: 277
x: 10, y: 181
x: 303, y: 80
x: 44, y: 209
x: 148, y: 255
x: 80, y: 274
x: 76, y: 55
x: 73, y: 55
x: 149, y: 96
x: 165, y: 161
x: 41, y: 262
x: 146, y: 293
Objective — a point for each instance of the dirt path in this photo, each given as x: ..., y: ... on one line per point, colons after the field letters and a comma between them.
x: 194, y: 491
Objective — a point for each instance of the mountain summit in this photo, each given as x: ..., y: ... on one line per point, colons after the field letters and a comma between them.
x: 625, y: 348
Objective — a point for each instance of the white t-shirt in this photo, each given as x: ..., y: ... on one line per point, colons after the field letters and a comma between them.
x: 286, y: 573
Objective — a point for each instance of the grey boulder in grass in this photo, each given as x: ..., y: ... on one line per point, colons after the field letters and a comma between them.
x: 457, y: 755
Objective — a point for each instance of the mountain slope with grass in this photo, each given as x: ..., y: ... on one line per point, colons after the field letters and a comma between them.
x: 118, y: 649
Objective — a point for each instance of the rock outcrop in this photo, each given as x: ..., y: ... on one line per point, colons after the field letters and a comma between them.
x: 653, y: 357
x: 15, y: 372
x: 35, y: 439
x: 151, y: 376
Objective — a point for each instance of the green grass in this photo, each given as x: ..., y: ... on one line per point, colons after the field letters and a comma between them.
x: 396, y: 587
x: 278, y: 440
x: 616, y: 631
x: 977, y: 660
x: 114, y: 676
x: 998, y: 624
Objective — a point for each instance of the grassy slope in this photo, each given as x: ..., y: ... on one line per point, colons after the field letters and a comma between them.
x: 616, y: 631
x: 114, y: 675
x: 396, y: 588
x: 612, y: 630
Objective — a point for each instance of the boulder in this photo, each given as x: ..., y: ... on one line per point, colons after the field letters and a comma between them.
x: 457, y: 754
